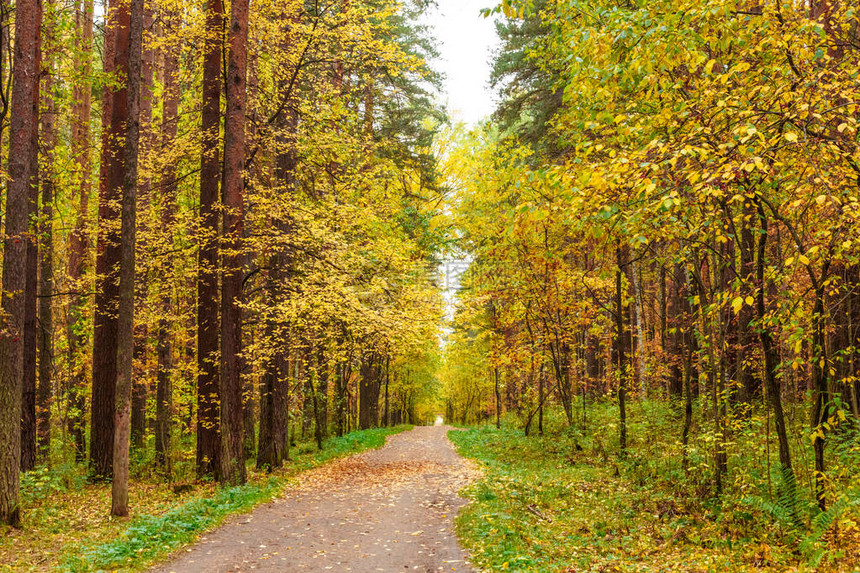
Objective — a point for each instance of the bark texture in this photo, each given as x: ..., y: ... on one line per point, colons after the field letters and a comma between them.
x: 208, y: 391
x: 114, y: 113
x: 23, y: 124
x: 232, y: 427
x: 125, y: 343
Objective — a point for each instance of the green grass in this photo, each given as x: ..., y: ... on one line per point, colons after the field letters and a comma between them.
x: 546, y: 505
x: 162, y: 527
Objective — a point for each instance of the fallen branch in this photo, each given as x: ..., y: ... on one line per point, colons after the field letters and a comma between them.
x: 532, y: 508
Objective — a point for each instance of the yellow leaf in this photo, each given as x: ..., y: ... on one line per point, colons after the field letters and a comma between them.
x: 791, y: 136
x: 737, y: 304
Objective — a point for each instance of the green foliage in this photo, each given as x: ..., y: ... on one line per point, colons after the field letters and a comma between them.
x: 643, y: 512
x: 43, y: 482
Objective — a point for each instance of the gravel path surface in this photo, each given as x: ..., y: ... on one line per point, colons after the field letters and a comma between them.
x: 388, y: 510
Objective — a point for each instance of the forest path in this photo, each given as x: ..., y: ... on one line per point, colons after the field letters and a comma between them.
x: 390, y: 509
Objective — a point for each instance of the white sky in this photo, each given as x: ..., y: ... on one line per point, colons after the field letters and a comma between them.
x: 466, y: 41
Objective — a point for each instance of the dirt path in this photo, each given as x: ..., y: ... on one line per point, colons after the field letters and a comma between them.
x: 390, y: 509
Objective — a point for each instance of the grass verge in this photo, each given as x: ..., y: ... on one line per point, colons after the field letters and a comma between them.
x: 69, y: 530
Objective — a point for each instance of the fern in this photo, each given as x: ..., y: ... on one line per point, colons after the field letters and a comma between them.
x: 811, y: 545
x: 785, y: 508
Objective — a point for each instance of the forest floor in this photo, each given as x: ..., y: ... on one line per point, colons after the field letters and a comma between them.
x: 561, y: 503
x: 67, y: 527
x: 390, y: 509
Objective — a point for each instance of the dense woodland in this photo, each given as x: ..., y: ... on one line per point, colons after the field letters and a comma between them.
x: 663, y: 220
x: 223, y: 227
x: 219, y: 222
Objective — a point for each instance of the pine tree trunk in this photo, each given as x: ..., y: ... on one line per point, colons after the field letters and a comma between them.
x: 28, y: 398
x: 232, y: 439
x: 5, y: 66
x: 208, y: 380
x: 108, y: 255
x: 45, y: 390
x: 164, y: 350
x: 23, y: 124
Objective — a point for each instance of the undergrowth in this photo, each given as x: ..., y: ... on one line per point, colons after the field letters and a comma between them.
x: 566, y: 501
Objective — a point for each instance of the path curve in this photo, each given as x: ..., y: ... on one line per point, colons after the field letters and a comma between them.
x: 390, y: 509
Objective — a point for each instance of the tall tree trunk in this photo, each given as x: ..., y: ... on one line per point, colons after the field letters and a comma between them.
x: 274, y: 386
x: 45, y: 391
x: 125, y: 350
x: 273, y: 447
x: 141, y: 385
x: 368, y: 392
x: 23, y: 124
x: 28, y: 398
x: 115, y: 108
x: 78, y: 239
x: 232, y: 463
x: 5, y: 68
x: 208, y: 385
x: 771, y: 358
x: 169, y: 128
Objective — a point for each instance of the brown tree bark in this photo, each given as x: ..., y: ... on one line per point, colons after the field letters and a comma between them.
x: 169, y: 127
x: 232, y: 463
x: 368, y: 391
x: 23, y: 124
x: 273, y: 447
x: 114, y: 107
x: 125, y: 344
x: 78, y: 239
x: 5, y: 69
x: 208, y: 385
x: 45, y: 391
x: 28, y: 398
